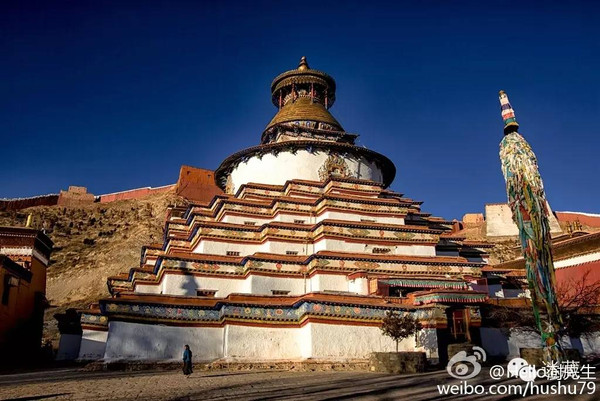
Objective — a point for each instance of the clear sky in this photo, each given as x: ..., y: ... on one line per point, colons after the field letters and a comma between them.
x: 115, y: 95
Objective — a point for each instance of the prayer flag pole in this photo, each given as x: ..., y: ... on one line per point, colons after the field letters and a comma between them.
x: 527, y: 200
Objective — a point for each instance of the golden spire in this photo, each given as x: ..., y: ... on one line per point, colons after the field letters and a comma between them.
x: 303, y: 64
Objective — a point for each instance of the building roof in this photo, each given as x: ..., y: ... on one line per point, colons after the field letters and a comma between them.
x: 304, y: 109
x: 303, y: 74
x: 24, y: 237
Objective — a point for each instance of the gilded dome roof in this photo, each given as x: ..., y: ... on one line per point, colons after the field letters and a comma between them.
x: 304, y: 109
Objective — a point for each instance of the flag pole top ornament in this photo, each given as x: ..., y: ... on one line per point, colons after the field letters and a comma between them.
x: 508, y: 114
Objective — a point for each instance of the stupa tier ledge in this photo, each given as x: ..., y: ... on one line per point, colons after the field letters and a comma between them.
x: 301, y: 257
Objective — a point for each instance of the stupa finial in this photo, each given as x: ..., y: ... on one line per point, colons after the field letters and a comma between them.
x: 303, y: 64
x: 508, y: 114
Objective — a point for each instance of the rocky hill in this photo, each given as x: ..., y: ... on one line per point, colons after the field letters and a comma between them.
x: 92, y: 242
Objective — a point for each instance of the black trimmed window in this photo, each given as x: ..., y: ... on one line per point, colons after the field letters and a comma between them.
x: 201, y: 292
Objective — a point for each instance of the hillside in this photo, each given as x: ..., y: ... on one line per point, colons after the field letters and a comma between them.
x: 92, y: 242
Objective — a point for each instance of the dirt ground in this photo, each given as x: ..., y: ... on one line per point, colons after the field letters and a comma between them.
x: 74, y: 384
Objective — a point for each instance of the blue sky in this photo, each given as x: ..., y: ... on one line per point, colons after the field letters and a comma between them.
x: 118, y: 95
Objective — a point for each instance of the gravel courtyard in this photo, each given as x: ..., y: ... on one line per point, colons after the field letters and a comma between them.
x: 75, y: 384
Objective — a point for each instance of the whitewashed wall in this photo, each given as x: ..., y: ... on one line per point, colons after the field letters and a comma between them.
x: 216, y: 247
x: 276, y: 170
x: 331, y: 341
x: 68, y: 347
x: 265, y: 343
x: 357, y: 247
x: 93, y: 344
x: 329, y: 215
x: 328, y: 282
x: 591, y: 343
x: 499, y: 222
x: 334, y: 215
x: 359, y: 286
x: 265, y: 284
x: 148, y: 288
x: 493, y: 341
x: 497, y: 343
x: 178, y: 284
x: 428, y: 342
x: 227, y: 218
x: 134, y: 341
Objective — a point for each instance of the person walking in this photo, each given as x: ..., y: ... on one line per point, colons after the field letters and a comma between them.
x: 187, y: 361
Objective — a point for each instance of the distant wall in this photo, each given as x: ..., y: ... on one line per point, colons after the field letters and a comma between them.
x: 473, y: 218
x: 134, y: 193
x: 75, y: 196
x: 22, y: 203
x: 195, y: 184
x: 499, y: 222
x: 588, y: 219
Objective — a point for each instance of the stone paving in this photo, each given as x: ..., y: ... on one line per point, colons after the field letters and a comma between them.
x: 74, y: 384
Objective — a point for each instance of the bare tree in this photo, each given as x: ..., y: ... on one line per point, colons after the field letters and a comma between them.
x: 579, y: 303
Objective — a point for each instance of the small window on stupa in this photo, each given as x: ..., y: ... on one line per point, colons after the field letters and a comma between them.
x: 291, y: 252
x: 205, y: 293
x: 233, y: 253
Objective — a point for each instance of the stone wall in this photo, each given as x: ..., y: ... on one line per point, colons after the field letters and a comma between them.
x: 398, y: 362
x: 7, y: 205
x: 75, y: 196
x: 473, y: 219
x: 135, y: 193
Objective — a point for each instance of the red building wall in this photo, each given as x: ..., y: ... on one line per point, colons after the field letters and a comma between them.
x: 197, y: 184
x: 585, y: 219
x: 134, y: 193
